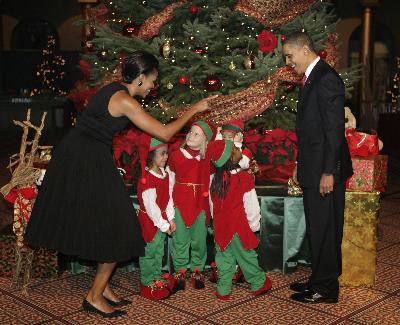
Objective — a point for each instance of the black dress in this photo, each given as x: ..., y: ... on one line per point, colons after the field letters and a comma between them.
x: 83, y: 208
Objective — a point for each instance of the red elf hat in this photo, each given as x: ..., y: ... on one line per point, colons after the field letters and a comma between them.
x: 146, y: 145
x: 233, y: 126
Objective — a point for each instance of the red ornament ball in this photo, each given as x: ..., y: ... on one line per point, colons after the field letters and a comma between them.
x: 323, y: 54
x: 212, y: 83
x: 199, y: 50
x: 130, y: 30
x: 194, y: 9
x: 289, y: 86
x: 283, y: 37
x: 183, y: 80
x: 153, y: 92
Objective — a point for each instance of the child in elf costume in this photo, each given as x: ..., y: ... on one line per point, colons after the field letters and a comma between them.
x: 156, y: 216
x: 236, y: 216
x: 187, y: 184
x: 233, y: 131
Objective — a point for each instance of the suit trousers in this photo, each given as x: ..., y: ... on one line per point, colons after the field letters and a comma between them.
x: 324, y: 227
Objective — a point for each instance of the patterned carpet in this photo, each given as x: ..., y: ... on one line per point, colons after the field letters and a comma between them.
x: 58, y: 300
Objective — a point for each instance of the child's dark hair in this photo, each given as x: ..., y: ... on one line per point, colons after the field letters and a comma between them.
x: 137, y: 63
x: 150, y: 158
x: 222, y: 178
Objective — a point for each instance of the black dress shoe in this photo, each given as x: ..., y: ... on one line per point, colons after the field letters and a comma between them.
x: 312, y: 297
x: 88, y: 307
x: 121, y: 303
x: 300, y: 286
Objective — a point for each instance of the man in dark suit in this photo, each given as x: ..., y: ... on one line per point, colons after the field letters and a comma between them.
x: 323, y: 165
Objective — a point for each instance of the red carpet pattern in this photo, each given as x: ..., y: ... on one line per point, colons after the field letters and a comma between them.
x: 58, y: 301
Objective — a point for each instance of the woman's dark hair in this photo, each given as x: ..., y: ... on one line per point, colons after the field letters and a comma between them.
x: 137, y: 63
x: 222, y: 179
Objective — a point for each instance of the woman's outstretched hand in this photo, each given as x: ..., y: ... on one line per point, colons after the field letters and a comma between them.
x: 203, y: 105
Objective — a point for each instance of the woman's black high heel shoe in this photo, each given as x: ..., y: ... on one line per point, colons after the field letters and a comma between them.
x: 88, y: 307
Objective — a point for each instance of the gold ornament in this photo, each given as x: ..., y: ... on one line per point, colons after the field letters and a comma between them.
x: 248, y: 61
x: 232, y: 66
x: 170, y: 85
x: 166, y: 49
x: 293, y: 188
x: 192, y: 38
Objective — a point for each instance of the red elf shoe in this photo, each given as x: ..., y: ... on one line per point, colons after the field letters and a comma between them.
x: 197, y: 279
x: 155, y: 291
x: 179, y: 280
x: 169, y: 281
x: 267, y: 286
x: 224, y: 298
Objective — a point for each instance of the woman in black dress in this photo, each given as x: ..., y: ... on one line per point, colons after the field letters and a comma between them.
x: 83, y: 208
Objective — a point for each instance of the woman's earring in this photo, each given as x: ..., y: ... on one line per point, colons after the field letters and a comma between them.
x: 140, y: 83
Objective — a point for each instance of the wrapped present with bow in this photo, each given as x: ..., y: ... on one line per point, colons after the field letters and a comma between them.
x: 370, y: 168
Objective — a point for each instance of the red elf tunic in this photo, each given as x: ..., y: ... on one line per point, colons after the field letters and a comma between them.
x: 187, y: 181
x: 229, y: 214
x: 161, y: 187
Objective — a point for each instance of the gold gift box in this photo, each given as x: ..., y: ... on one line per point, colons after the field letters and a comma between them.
x: 360, y: 239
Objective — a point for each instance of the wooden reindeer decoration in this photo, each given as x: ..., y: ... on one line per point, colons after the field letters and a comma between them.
x: 22, y: 191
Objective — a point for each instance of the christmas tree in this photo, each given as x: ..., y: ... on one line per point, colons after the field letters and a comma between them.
x: 226, y: 47
x: 393, y: 93
x: 50, y: 72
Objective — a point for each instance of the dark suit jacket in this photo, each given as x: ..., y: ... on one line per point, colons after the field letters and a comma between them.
x: 322, y: 146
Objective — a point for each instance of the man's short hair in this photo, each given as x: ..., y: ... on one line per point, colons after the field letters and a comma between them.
x: 300, y: 39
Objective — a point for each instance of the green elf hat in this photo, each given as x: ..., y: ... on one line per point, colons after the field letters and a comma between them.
x: 207, y: 129
x: 146, y: 145
x: 233, y: 126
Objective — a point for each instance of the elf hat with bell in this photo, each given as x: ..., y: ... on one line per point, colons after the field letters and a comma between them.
x: 146, y: 145
x: 207, y: 129
x: 235, y: 126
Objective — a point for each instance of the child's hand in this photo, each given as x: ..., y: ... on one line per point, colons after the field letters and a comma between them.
x: 172, y: 226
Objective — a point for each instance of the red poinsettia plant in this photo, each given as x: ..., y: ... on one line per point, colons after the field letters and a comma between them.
x: 267, y: 41
x: 275, y: 152
x: 125, y: 147
x: 126, y: 154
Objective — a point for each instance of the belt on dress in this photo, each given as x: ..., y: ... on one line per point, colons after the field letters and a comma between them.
x: 193, y: 185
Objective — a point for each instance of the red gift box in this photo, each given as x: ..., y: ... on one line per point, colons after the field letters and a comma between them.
x: 362, y: 143
x: 370, y: 174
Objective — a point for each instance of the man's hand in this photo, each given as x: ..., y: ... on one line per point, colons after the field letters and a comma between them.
x: 326, y: 184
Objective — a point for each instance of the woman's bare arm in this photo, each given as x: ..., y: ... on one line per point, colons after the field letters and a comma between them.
x: 122, y: 104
